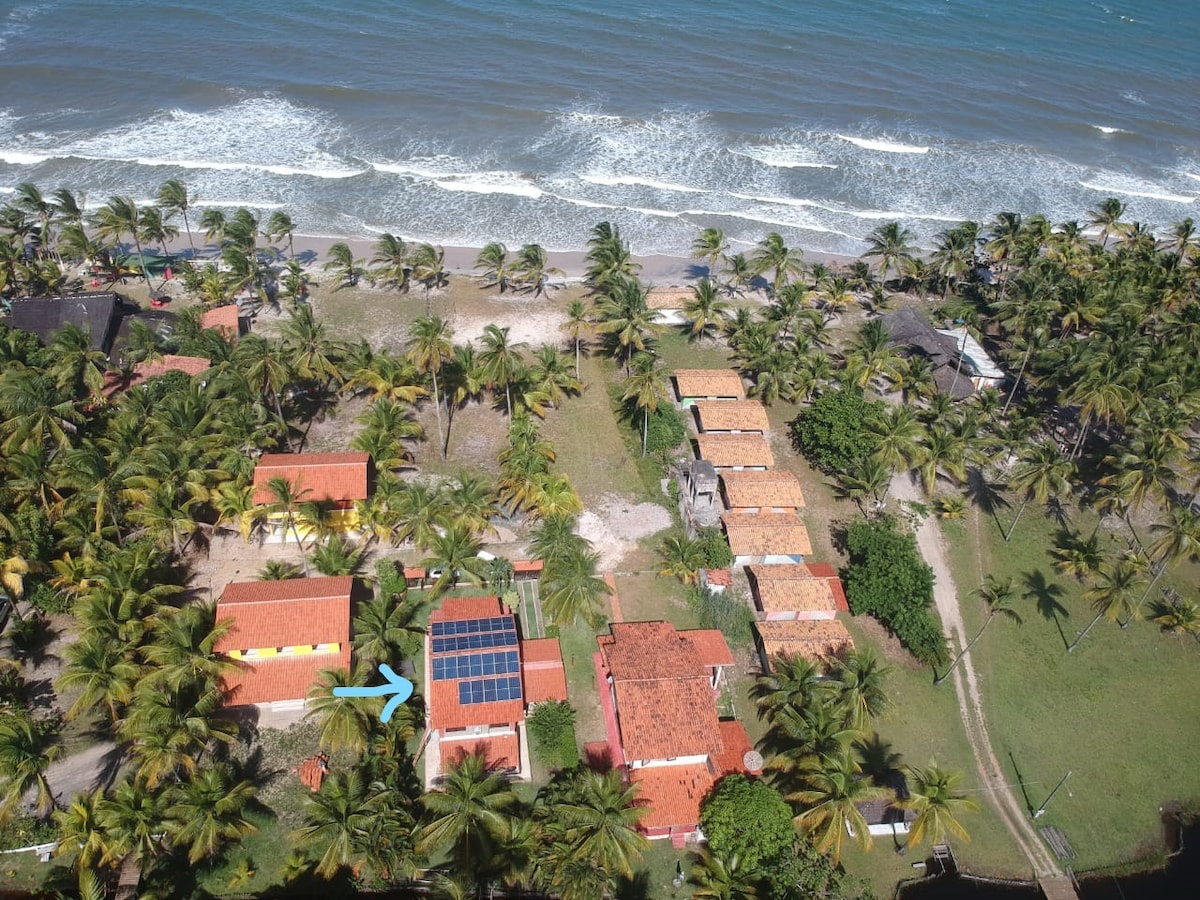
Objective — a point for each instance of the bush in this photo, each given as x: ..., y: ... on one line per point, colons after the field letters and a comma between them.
x: 552, y: 734
x: 889, y: 580
x: 724, y: 612
x: 26, y: 831
x: 390, y: 581
x: 46, y: 599
x: 830, y: 432
x: 666, y: 430
x: 714, y: 548
x: 748, y: 818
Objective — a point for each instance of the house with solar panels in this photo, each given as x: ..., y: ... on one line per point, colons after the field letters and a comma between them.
x: 481, y: 679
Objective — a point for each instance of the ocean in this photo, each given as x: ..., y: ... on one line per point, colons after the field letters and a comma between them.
x: 465, y: 121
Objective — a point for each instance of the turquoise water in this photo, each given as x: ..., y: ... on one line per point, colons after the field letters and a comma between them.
x: 468, y: 121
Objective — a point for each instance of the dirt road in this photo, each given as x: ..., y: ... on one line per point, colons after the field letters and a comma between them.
x: 966, y: 686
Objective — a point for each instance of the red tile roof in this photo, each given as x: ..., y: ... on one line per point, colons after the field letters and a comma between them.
x: 792, y: 589
x: 719, y: 577
x: 280, y: 678
x: 815, y: 639
x: 766, y: 534
x: 732, y: 415
x: 758, y: 490
x: 414, y: 572
x: 502, y: 751
x: 340, y: 477
x: 665, y: 703
x: 288, y: 613
x: 458, y: 609
x: 725, y: 451
x: 709, y: 383
x: 542, y: 670
x: 825, y: 570
x: 671, y: 795
x: 223, y: 318
x: 153, y: 368
x: 711, y: 648
x: 524, y: 566
x: 737, y: 745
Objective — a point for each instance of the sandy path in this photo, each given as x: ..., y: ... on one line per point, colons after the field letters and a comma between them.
x: 83, y: 771
x: 966, y: 686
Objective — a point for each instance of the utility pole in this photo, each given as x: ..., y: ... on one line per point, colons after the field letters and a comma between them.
x: 1042, y: 809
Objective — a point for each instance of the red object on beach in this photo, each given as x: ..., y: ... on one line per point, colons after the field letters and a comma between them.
x: 168, y: 274
x: 95, y: 282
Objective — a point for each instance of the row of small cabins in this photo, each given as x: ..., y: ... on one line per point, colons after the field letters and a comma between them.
x: 795, y: 600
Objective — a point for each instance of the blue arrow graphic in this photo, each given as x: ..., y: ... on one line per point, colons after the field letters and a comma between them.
x: 396, y: 684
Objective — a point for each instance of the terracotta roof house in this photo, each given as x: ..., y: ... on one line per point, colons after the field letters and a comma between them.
x: 792, y: 592
x: 669, y: 303
x: 98, y: 313
x: 708, y: 384
x: 114, y: 383
x: 735, y: 451
x: 481, y: 678
x: 226, y: 320
x: 815, y: 639
x: 731, y: 416
x: 660, y: 710
x: 766, y: 538
x: 761, y: 491
x: 283, y: 633
x: 338, y: 480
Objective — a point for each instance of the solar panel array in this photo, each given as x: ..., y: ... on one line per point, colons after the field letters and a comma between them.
x: 472, y: 626
x: 447, y: 668
x: 475, y: 641
x: 489, y: 690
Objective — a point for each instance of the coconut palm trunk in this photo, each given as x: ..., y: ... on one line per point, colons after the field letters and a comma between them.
x: 1085, y: 632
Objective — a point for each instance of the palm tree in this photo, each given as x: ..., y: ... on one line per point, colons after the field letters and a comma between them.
x: 100, y: 668
x: 680, y: 558
x: 391, y: 255
x: 280, y: 226
x: 155, y: 230
x: 1177, y: 615
x: 706, y: 310
x: 500, y: 361
x: 286, y: 503
x: 625, y: 314
x: 342, y: 721
x: 428, y: 349
x: 533, y: 267
x: 456, y: 552
x: 644, y: 389
x: 384, y: 630
x: 117, y: 217
x: 173, y: 198
x: 27, y: 747
x: 80, y: 833
x: 551, y: 376
x: 1107, y: 217
x: 493, y: 261
x: 207, y: 811
x: 942, y: 454
x: 182, y: 646
x: 721, y: 878
x: 1042, y: 473
x: 861, y: 695
x: 578, y: 322
x: 794, y: 683
x: 997, y: 596
x: 571, y: 589
x: 339, y: 820
x: 1114, y: 596
x: 132, y: 819
x: 772, y: 255
x: 711, y: 246
x: 832, y: 788
x: 601, y: 819
x: 933, y: 794
x: 312, y: 354
x: 342, y: 263
x: 429, y: 268
x: 608, y: 258
x: 469, y: 816
x: 741, y: 273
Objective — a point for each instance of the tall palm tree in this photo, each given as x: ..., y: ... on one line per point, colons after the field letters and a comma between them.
x: 625, y: 314
x: 1042, y: 473
x: 385, y: 631
x: 173, y: 198
x: 339, y: 820
x: 80, y: 835
x: 578, y: 323
x: 571, y: 589
x: 773, y: 255
x: 998, y: 596
x: 392, y: 258
x: 1107, y: 217
x: 493, y: 262
x: 429, y: 268
x: 681, y: 557
x: 456, y: 552
x: 890, y: 244
x: 500, y: 361
x: 100, y: 668
x: 717, y: 877
x: 706, y: 310
x: 934, y: 796
x: 27, y: 747
x: 793, y: 683
x: 208, y: 810
x: 1114, y: 595
x: 285, y: 502
x: 711, y: 246
x: 342, y: 262
x: 280, y: 226
x: 832, y: 786
x: 644, y: 389
x: 532, y: 266
x: 861, y: 694
x: 469, y: 816
x: 132, y: 818
x: 117, y: 217
x: 342, y: 721
x: 428, y: 349
x: 601, y: 819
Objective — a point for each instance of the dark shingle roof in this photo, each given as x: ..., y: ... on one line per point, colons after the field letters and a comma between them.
x: 908, y: 330
x: 96, y: 313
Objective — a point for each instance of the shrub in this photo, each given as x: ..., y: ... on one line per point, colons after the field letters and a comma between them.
x: 748, y: 818
x: 46, y: 599
x: 714, y: 548
x: 724, y: 612
x: 552, y: 734
x: 830, y: 432
x: 26, y: 831
x: 666, y: 430
x: 889, y: 580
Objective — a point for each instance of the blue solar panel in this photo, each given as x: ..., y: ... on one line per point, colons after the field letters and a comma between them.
x: 475, y: 665
x: 489, y: 690
x: 472, y: 626
x: 484, y: 641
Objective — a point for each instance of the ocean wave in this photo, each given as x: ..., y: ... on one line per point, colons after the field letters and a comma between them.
x: 1109, y: 129
x: 509, y: 183
x: 1150, y: 192
x: 844, y: 211
x: 17, y: 22
x: 634, y: 180
x: 22, y: 158
x: 769, y: 220
x: 783, y: 157
x: 617, y: 207
x: 207, y: 203
x: 882, y: 146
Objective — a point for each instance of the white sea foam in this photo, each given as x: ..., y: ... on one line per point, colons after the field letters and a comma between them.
x: 1192, y: 175
x: 234, y: 203
x: 491, y: 183
x: 17, y: 22
x: 634, y: 180
x: 783, y: 156
x: 1109, y: 129
x: 21, y: 158
x: 844, y: 211
x: 882, y: 146
x: 1136, y: 189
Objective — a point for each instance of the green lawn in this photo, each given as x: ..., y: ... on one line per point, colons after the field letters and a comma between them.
x: 1112, y: 712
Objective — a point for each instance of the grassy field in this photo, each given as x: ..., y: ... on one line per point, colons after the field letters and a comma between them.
x: 1117, y: 713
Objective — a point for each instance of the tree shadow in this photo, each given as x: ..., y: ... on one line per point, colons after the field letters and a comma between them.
x: 29, y: 639
x: 987, y: 496
x: 695, y: 271
x: 1021, y: 783
x: 881, y: 763
x: 635, y: 888
x: 110, y: 767
x: 1046, y: 595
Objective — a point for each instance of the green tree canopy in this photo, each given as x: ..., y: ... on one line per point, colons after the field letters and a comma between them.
x: 749, y: 818
x: 831, y: 432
